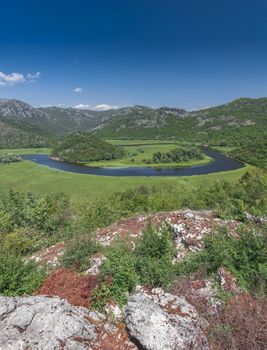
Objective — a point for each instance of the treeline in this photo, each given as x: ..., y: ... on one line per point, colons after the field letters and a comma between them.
x: 253, y: 152
x: 9, y: 158
x: 82, y: 147
x: 178, y: 155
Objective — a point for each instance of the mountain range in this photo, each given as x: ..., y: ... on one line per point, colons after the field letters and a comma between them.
x: 22, y: 125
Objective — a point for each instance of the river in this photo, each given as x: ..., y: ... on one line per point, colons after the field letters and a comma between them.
x: 221, y: 163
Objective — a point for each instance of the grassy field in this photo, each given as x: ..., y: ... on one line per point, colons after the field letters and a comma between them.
x: 26, y: 151
x: 30, y: 177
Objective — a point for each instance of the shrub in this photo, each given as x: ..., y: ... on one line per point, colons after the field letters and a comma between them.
x: 153, y: 255
x: 120, y: 266
x: 245, y: 257
x: 150, y: 264
x: 78, y: 251
x: 18, y: 277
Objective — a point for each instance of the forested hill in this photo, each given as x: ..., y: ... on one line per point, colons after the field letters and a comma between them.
x: 84, y: 147
x: 236, y: 123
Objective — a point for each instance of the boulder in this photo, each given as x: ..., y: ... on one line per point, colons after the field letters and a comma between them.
x: 40, y: 322
x: 159, y: 320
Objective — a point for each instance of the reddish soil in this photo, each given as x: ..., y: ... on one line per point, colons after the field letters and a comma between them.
x: 115, y: 341
x: 68, y: 285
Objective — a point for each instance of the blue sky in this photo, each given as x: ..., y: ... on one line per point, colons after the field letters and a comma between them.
x: 190, y: 53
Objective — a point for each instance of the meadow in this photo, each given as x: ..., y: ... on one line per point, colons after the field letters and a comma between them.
x: 30, y: 177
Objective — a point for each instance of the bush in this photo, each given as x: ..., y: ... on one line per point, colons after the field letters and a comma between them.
x: 9, y: 158
x: 78, y: 251
x: 153, y: 255
x: 45, y: 213
x: 149, y: 264
x: 245, y: 257
x: 120, y: 267
x: 21, y: 241
x: 18, y: 277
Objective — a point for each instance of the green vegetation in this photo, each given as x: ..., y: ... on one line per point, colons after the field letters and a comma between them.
x: 254, y: 152
x: 20, y: 151
x: 244, y: 257
x: 27, y: 176
x: 78, y: 251
x: 13, y: 135
x: 149, y: 264
x: 29, y: 222
x: 81, y: 147
x: 18, y: 277
x: 178, y: 155
x: 142, y: 155
x: 9, y: 158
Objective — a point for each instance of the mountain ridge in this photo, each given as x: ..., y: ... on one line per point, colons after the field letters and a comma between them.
x: 243, y: 117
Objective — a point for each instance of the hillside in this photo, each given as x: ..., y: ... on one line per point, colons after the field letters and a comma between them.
x: 61, y: 121
x: 238, y: 121
x: 85, y: 147
x: 17, y: 137
x: 232, y: 124
x: 136, y: 270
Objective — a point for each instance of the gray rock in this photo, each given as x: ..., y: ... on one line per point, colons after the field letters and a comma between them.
x: 40, y: 323
x: 162, y: 321
x: 255, y: 219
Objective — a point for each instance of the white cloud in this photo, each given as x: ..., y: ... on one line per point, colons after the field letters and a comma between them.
x: 33, y: 76
x: 78, y: 89
x: 11, y: 79
x: 82, y: 106
x: 15, y: 78
x: 101, y: 107
x: 104, y: 107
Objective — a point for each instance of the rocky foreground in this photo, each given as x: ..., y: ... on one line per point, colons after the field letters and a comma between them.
x: 155, y: 320
x: 60, y: 315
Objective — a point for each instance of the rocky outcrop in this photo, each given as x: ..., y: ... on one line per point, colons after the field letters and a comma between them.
x: 95, y: 264
x: 50, y: 256
x: 255, y: 219
x: 159, y: 320
x: 44, y: 323
x: 189, y: 228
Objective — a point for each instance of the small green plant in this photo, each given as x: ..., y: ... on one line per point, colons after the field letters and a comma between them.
x: 120, y: 268
x: 153, y: 255
x: 78, y: 252
x: 101, y: 296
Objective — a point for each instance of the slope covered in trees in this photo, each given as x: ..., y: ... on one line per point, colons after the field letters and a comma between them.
x: 18, y: 136
x: 82, y: 147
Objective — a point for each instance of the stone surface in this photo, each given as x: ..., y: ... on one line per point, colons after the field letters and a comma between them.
x: 44, y: 323
x: 95, y: 262
x: 114, y: 311
x: 159, y: 320
x: 50, y: 256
